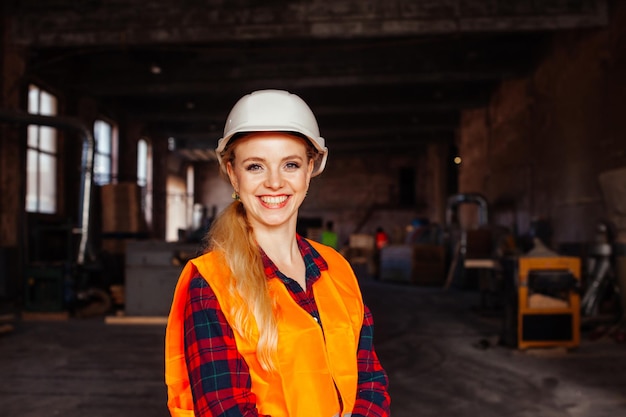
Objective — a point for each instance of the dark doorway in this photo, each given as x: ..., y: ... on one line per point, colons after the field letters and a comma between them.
x: 406, y: 180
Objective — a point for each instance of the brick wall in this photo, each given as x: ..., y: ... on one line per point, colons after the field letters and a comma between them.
x: 359, y: 192
x: 544, y: 139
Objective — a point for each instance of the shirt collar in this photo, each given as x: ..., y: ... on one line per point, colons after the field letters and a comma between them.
x: 313, y: 262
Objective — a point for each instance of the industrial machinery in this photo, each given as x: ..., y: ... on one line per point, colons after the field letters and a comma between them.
x: 470, y: 242
x: 548, y: 302
x: 601, y: 273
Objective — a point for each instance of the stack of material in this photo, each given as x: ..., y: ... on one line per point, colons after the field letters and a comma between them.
x: 360, y: 254
x: 546, y: 301
x: 396, y: 263
x: 121, y: 211
x: 420, y: 264
x: 361, y: 247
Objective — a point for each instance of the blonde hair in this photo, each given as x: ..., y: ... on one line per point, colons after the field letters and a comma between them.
x: 232, y: 235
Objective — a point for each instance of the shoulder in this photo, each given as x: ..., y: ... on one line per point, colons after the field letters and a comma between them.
x: 331, y: 256
x: 324, y: 250
x: 198, y: 282
x: 201, y: 295
x: 209, y: 265
x: 338, y: 267
x: 210, y: 277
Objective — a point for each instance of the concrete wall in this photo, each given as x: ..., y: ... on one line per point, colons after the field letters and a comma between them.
x: 543, y: 141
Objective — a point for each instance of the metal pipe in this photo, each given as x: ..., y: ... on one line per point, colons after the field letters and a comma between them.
x: 454, y: 201
x: 86, y: 169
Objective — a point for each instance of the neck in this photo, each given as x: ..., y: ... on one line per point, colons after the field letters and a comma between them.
x: 276, y: 238
x: 280, y: 245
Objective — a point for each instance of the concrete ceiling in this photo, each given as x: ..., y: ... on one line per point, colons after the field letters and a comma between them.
x: 377, y: 74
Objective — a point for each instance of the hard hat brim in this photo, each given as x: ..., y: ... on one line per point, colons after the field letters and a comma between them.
x: 222, y: 144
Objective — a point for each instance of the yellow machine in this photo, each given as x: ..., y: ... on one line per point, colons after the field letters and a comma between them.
x: 548, y: 302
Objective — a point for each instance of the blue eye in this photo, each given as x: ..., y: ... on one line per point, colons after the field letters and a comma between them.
x: 292, y: 165
x: 253, y: 167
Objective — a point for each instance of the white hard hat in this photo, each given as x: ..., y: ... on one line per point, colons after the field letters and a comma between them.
x: 273, y: 111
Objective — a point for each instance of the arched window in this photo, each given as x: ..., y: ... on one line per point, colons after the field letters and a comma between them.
x: 144, y: 177
x: 41, y: 155
x: 190, y: 196
x: 105, y: 157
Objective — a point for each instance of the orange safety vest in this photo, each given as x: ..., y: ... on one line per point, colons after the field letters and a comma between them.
x: 312, y: 365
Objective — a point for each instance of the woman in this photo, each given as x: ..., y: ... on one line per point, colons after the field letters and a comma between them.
x: 266, y: 322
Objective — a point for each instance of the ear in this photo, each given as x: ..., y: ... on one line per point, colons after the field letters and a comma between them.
x: 231, y: 175
x: 309, y: 171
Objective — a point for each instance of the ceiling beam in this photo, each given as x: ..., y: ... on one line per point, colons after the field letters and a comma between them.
x: 117, y: 87
x: 208, y: 139
x: 89, y: 23
x: 376, y: 108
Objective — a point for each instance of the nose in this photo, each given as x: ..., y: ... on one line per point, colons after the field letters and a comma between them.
x: 274, y: 179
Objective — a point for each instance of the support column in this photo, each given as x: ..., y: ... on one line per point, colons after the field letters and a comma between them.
x: 12, y: 160
x: 437, y: 158
x: 159, y: 180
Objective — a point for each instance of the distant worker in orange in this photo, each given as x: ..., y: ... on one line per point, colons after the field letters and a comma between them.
x: 382, y: 239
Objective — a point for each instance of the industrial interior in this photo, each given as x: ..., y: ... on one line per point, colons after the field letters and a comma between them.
x: 476, y: 182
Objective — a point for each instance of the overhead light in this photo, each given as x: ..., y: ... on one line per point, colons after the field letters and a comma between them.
x: 155, y: 69
x: 457, y: 160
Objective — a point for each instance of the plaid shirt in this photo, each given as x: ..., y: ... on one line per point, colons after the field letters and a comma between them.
x: 220, y: 379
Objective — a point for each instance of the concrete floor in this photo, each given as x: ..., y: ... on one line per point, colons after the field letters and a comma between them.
x: 442, y: 357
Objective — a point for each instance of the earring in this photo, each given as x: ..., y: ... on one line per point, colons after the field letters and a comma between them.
x: 235, y: 196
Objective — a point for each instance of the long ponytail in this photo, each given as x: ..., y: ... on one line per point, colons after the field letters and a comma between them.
x: 232, y: 235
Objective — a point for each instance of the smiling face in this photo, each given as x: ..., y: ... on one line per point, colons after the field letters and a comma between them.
x: 271, y: 172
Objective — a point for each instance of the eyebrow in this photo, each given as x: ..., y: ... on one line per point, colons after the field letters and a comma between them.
x: 259, y: 159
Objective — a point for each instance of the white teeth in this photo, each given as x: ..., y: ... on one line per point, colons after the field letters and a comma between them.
x: 273, y: 200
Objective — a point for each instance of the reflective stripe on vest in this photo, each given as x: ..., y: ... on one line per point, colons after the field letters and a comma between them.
x: 312, y: 365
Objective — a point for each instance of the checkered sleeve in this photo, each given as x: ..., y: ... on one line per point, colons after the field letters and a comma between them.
x: 372, y: 395
x: 218, y: 374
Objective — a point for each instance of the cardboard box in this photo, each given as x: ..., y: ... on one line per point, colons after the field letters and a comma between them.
x: 121, y: 208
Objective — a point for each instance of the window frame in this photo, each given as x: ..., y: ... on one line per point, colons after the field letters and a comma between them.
x: 145, y: 177
x: 110, y: 154
x: 42, y: 143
